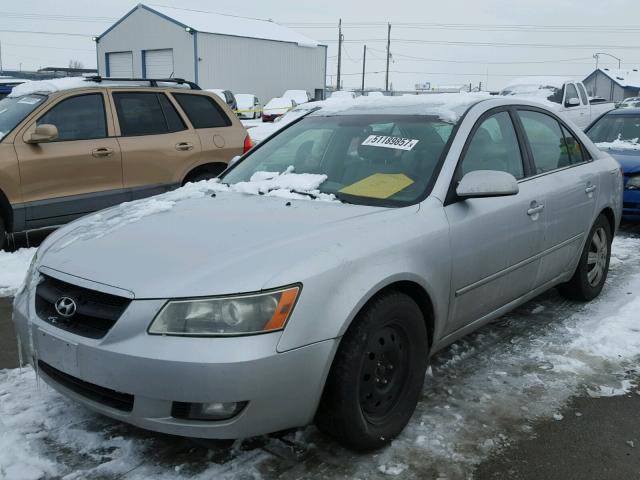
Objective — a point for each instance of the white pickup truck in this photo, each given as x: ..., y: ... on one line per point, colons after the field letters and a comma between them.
x: 567, y: 97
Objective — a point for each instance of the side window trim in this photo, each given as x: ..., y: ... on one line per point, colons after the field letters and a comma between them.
x: 48, y: 108
x: 451, y: 192
x: 585, y: 153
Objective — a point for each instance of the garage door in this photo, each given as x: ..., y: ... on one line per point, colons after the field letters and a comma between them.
x: 120, y: 64
x: 158, y: 63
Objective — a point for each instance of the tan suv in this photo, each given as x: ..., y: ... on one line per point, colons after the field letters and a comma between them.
x: 68, y: 148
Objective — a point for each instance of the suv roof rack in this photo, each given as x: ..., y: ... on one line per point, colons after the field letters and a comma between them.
x: 153, y: 82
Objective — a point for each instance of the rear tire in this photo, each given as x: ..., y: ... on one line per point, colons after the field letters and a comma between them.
x: 377, y: 375
x: 591, y: 273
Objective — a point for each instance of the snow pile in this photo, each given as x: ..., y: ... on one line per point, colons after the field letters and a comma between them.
x: 539, y: 81
x: 13, y: 268
x: 620, y: 144
x: 51, y: 86
x: 286, y: 185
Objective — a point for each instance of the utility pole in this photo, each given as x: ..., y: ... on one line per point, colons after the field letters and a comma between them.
x: 386, y: 81
x: 480, y: 87
x: 0, y: 56
x: 364, y: 66
x: 340, y: 38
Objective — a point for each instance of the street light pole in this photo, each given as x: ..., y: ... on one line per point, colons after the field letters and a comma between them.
x: 597, y: 57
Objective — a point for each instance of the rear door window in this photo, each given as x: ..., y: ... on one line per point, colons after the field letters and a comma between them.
x: 146, y: 113
x: 577, y: 154
x: 583, y: 94
x: 494, y: 146
x: 78, y: 118
x: 546, y: 140
x: 203, y: 111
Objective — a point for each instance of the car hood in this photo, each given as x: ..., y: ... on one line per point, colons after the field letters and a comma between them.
x: 629, y: 160
x: 202, y: 246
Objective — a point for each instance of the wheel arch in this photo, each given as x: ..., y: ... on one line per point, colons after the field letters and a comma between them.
x: 417, y: 292
x: 215, y: 167
x: 611, y: 218
x: 6, y: 212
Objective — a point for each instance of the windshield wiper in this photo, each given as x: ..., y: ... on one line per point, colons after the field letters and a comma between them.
x: 315, y: 196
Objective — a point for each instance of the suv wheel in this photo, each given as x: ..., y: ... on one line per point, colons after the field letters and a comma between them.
x: 588, y: 280
x: 208, y: 174
x: 377, y: 375
x: 3, y: 234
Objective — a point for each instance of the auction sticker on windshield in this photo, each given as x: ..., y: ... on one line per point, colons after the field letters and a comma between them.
x: 397, y: 143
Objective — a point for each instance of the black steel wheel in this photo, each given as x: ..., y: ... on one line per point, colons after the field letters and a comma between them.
x: 377, y: 375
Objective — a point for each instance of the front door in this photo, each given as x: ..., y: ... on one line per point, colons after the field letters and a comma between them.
x: 79, y: 172
x: 495, y: 241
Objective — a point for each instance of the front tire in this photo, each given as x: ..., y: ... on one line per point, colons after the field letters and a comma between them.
x: 588, y: 280
x: 377, y: 375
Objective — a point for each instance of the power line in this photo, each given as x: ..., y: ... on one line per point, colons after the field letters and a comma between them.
x: 84, y: 35
x: 53, y: 17
x: 490, y: 44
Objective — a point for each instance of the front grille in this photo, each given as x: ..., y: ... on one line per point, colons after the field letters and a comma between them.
x: 110, y: 398
x: 96, y: 312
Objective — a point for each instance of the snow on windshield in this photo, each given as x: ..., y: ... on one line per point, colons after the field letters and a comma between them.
x: 620, y: 144
x: 287, y: 184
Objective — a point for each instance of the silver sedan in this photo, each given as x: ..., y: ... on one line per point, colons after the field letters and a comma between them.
x: 316, y: 278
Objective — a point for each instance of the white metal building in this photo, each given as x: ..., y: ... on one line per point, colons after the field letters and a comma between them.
x: 243, y: 55
x: 613, y: 84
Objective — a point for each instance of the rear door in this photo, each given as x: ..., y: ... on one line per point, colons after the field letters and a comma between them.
x: 220, y: 132
x: 81, y: 171
x: 157, y: 145
x: 495, y: 241
x: 568, y: 178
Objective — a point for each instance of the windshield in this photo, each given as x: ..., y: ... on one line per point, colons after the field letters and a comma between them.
x: 14, y: 110
x: 387, y: 160
x: 611, y: 128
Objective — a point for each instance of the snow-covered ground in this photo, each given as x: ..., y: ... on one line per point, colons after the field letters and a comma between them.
x: 481, y: 393
x: 13, y: 267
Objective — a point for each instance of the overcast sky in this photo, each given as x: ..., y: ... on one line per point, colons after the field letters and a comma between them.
x: 564, y: 34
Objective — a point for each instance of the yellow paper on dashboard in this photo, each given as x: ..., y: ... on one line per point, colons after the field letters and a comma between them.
x: 379, y: 185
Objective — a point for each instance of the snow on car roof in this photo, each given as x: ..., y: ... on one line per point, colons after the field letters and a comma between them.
x: 51, y: 86
x: 449, y: 107
x: 209, y: 22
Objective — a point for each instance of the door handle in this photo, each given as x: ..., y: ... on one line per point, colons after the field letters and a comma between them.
x: 102, y: 152
x: 535, y: 209
x: 590, y: 189
x: 184, y: 146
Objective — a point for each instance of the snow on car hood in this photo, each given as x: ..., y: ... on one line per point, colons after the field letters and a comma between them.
x: 200, y: 245
x: 626, y: 152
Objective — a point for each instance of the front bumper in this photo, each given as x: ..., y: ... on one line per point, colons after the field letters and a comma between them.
x: 282, y: 389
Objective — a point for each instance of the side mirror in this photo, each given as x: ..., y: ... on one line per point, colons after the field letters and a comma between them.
x: 487, y: 183
x: 573, y: 102
x: 41, y: 134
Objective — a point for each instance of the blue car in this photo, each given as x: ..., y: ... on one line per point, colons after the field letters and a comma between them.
x: 7, y: 84
x: 618, y: 133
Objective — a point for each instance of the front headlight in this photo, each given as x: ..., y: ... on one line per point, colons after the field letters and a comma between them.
x: 633, y: 183
x: 236, y: 315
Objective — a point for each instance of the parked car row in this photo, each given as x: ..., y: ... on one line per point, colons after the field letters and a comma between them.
x: 315, y: 280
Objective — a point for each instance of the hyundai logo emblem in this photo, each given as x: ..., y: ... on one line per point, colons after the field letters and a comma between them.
x: 66, y: 307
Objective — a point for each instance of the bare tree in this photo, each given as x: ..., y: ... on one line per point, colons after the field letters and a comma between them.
x: 77, y: 64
